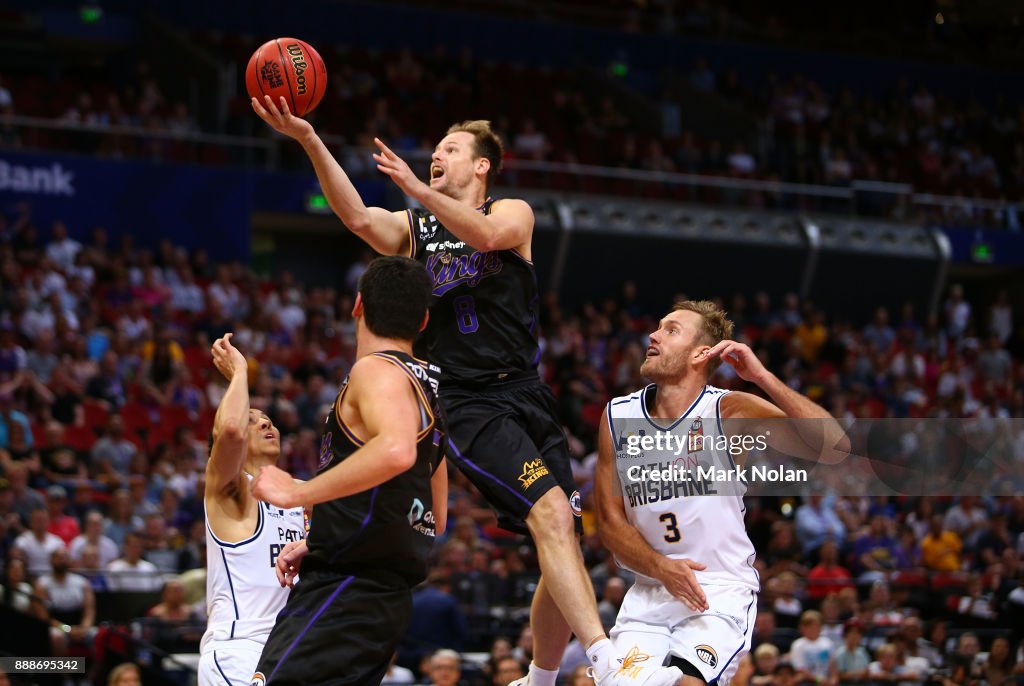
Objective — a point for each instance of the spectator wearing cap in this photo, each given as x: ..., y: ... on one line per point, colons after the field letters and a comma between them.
x: 93, y: 536
x: 62, y: 525
x: 38, y: 544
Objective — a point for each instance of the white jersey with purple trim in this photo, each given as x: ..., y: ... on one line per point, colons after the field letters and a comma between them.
x: 243, y: 595
x: 697, y: 513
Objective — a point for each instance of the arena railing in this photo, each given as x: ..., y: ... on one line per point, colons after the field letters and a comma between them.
x: 897, y: 201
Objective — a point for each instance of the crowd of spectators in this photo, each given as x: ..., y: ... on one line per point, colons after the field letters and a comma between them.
x: 806, y: 132
x: 107, y: 395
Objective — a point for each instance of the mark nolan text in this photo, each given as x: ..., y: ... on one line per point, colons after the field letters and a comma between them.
x: 744, y: 474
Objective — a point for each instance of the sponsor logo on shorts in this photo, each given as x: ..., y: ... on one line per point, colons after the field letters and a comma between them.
x: 575, y: 502
x: 532, y: 471
x: 629, y: 664
x: 707, y: 655
x: 258, y: 679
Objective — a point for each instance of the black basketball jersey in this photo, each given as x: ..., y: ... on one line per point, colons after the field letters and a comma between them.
x: 483, y: 317
x: 391, y: 526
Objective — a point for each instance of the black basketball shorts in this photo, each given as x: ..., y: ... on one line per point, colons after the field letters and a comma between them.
x: 336, y: 629
x: 507, y: 439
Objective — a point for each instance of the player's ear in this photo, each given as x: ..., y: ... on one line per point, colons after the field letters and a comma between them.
x: 357, y: 308
x: 483, y: 165
x: 700, y: 354
x: 426, y: 318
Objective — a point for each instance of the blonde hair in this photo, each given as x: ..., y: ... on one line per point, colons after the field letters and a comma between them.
x: 487, y: 144
x: 766, y: 650
x: 811, y: 617
x: 122, y: 669
x: 715, y: 327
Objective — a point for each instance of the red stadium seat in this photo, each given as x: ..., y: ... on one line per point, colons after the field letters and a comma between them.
x: 96, y: 413
x: 136, y: 417
x: 81, y: 438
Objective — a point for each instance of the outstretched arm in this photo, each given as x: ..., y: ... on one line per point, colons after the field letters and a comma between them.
x: 389, y: 410
x: 231, y: 423
x: 386, y: 232
x: 824, y: 441
x: 626, y: 541
x: 508, y: 226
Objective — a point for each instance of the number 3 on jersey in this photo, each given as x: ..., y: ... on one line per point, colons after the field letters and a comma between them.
x: 465, y: 314
x: 671, y: 526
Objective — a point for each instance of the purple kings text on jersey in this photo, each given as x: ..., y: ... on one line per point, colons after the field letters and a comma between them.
x: 449, y: 270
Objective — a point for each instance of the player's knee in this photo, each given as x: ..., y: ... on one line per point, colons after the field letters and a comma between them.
x: 551, y: 516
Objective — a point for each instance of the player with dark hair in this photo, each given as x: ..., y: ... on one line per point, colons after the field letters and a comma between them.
x: 504, y: 431
x: 380, y: 498
x: 243, y: 534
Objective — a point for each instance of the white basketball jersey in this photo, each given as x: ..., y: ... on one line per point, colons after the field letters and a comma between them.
x: 689, y: 515
x: 243, y: 595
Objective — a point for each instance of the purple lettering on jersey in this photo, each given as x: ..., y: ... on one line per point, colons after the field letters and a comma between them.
x: 325, y: 450
x: 448, y: 270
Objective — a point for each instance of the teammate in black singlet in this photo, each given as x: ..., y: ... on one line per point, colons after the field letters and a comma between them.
x: 380, y: 498
x: 504, y: 433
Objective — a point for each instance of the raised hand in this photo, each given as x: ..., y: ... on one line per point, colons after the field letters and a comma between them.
x: 226, y: 357
x: 281, y: 119
x: 744, y: 360
x: 395, y: 167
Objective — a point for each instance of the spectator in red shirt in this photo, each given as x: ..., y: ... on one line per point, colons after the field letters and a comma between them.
x: 62, y: 525
x: 827, y: 576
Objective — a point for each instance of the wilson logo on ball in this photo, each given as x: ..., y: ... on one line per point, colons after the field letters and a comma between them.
x: 287, y: 68
x: 299, y: 64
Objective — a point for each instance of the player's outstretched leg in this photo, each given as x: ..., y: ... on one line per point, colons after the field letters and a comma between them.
x: 565, y: 577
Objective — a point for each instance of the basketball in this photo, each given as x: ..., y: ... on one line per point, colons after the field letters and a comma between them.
x: 289, y: 68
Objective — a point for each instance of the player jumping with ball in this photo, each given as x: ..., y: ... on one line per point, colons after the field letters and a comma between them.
x: 503, y: 430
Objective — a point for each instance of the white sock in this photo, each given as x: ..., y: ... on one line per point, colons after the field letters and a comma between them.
x: 600, y: 655
x: 542, y: 677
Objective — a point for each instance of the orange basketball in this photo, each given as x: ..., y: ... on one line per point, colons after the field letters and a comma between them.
x: 290, y: 68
